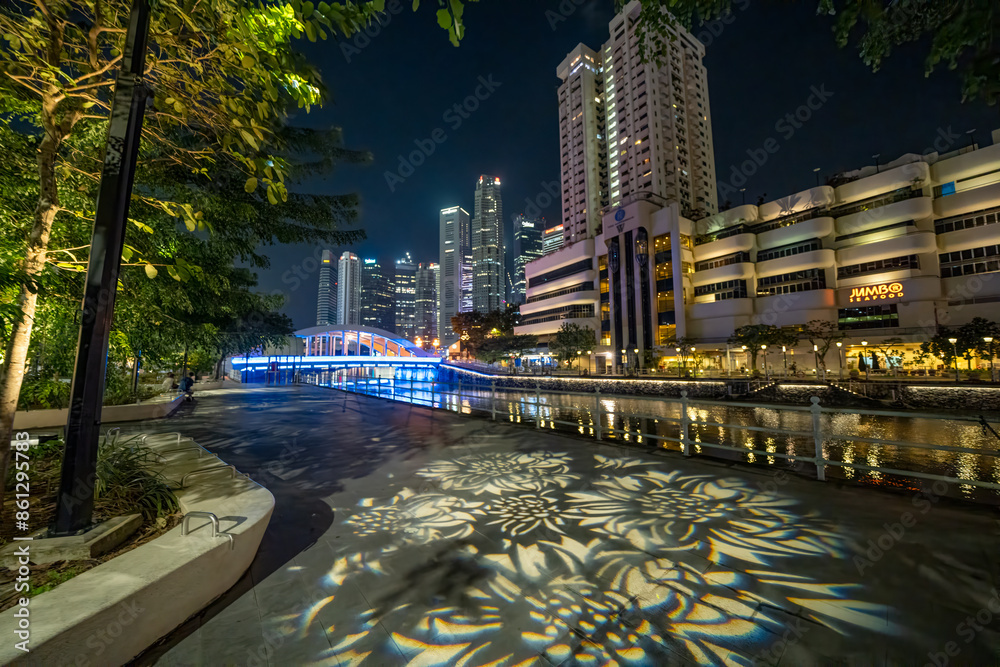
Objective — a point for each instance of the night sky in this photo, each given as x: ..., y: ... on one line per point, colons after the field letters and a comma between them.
x: 764, y: 63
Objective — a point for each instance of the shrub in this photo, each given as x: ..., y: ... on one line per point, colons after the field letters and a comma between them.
x: 43, y: 393
x: 126, y: 481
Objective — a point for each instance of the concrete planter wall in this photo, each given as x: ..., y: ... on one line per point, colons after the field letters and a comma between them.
x: 151, y: 409
x: 110, y: 614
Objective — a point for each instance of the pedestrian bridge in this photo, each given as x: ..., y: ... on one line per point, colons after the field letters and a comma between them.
x: 333, y: 348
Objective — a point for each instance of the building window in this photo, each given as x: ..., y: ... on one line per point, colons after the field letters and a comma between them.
x: 561, y: 272
x: 869, y: 317
x: 735, y: 258
x: 789, y: 250
x: 578, y: 311
x: 796, y: 281
x: 729, y: 289
x: 879, y: 266
x: 581, y: 287
x: 968, y: 262
x: 967, y: 221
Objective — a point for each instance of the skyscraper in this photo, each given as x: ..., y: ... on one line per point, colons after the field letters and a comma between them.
x: 657, y: 127
x: 527, y: 246
x: 326, y: 301
x: 455, y: 256
x: 426, y: 302
x: 377, y: 293
x: 552, y: 239
x: 406, y: 297
x: 349, y: 289
x: 584, y: 157
x: 488, y: 285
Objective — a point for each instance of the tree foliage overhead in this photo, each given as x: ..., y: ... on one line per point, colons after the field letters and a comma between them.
x: 961, y: 35
x: 755, y: 336
x: 216, y: 153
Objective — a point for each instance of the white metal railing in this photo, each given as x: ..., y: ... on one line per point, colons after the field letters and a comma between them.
x: 482, y: 397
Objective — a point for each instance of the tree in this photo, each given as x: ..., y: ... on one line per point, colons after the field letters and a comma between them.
x: 496, y: 348
x: 822, y: 334
x: 962, y: 35
x: 889, y: 349
x: 571, y: 340
x: 224, y: 75
x: 971, y: 334
x: 756, y: 335
x: 475, y: 328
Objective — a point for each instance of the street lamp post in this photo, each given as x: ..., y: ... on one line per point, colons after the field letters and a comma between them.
x: 840, y: 357
x: 766, y: 375
x: 864, y: 345
x: 635, y: 351
x: 784, y: 355
x: 989, y: 341
x: 693, y: 363
x: 75, y: 504
x: 579, y: 370
x: 954, y: 350
x: 746, y: 360
x: 680, y: 358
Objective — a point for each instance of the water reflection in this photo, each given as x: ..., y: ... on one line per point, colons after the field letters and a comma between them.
x: 653, y: 422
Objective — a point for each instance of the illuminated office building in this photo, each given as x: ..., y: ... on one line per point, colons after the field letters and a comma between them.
x: 377, y: 296
x: 455, y: 269
x: 326, y: 300
x: 349, y: 289
x: 488, y: 284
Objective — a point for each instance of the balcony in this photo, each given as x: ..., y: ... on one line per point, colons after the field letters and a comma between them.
x: 740, y: 271
x: 968, y: 200
x: 915, y: 243
x: 725, y: 244
x: 904, y: 176
x: 886, y: 211
x: 816, y: 227
x: 814, y: 259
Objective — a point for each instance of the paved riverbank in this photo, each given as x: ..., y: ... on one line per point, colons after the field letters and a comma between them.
x: 403, y: 534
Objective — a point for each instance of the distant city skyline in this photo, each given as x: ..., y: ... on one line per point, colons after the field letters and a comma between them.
x: 520, y: 142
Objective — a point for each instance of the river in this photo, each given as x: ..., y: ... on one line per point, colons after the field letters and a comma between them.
x: 642, y: 421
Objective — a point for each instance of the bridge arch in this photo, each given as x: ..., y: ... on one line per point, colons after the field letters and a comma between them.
x: 354, y: 340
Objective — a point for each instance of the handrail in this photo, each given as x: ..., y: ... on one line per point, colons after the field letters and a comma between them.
x: 215, y: 525
x: 209, y: 469
x: 530, y: 407
x: 201, y: 450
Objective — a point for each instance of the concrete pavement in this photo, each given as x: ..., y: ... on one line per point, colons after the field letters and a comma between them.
x: 403, y: 535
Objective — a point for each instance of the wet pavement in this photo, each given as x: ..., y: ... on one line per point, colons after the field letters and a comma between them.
x: 403, y: 535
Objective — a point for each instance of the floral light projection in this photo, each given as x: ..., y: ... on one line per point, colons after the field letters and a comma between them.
x: 502, y: 563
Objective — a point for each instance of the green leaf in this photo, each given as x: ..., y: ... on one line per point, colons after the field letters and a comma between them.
x: 247, y: 137
x: 379, y: 5
x: 249, y: 62
x: 250, y: 185
x: 444, y: 18
x: 416, y: 4
x: 270, y: 196
x: 310, y: 32
x: 151, y: 271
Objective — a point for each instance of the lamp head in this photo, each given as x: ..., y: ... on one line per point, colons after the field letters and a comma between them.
x: 952, y: 340
x: 988, y: 339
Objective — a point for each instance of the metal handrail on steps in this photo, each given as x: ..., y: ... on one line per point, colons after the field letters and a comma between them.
x: 215, y: 525
x: 209, y: 469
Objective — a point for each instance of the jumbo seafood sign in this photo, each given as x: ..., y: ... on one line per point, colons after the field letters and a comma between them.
x: 882, y: 292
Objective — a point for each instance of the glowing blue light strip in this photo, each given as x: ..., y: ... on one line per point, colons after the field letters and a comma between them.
x: 314, y: 362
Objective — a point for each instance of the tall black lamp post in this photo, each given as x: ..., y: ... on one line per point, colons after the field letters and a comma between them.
x: 74, y: 511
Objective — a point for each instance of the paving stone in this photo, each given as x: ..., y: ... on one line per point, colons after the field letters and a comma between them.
x: 405, y: 534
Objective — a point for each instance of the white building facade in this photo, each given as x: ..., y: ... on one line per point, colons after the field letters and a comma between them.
x: 889, y: 251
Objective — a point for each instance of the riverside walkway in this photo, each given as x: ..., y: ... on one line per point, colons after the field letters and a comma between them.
x: 403, y: 535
